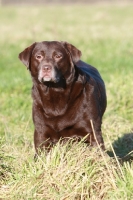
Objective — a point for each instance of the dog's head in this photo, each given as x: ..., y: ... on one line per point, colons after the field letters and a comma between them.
x: 49, y: 61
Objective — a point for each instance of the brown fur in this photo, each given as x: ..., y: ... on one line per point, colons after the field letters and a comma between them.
x: 67, y: 93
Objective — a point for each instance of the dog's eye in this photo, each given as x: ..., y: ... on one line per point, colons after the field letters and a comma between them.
x: 58, y: 56
x: 39, y: 57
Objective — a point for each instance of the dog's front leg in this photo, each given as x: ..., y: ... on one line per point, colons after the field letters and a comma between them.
x: 42, y: 133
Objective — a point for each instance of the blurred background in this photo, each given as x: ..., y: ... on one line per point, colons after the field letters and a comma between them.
x: 102, y: 30
x: 5, y: 2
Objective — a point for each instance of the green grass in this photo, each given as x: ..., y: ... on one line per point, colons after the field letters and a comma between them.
x: 104, y: 35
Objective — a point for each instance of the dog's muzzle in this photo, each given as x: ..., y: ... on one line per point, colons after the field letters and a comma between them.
x: 48, y: 73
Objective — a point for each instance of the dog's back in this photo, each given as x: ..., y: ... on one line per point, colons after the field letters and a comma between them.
x: 92, y: 73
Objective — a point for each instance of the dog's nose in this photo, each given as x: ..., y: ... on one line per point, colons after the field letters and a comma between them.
x: 46, y: 67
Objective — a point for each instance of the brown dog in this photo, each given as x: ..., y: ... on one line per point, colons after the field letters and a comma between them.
x: 67, y: 93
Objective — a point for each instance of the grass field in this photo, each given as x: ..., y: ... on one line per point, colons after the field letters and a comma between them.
x: 104, y: 34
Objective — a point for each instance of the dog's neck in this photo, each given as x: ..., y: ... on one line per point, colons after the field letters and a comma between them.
x: 62, y: 83
x: 58, y: 95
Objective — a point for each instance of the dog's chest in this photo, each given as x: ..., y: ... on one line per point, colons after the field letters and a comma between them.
x: 60, y: 120
x: 61, y: 109
x: 57, y: 102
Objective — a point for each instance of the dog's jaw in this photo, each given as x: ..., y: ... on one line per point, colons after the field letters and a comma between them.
x: 45, y: 76
x: 51, y: 76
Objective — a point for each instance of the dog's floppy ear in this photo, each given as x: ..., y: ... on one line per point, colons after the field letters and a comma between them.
x: 25, y: 55
x: 74, y: 52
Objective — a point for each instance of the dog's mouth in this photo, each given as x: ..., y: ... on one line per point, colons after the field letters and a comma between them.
x: 47, y: 74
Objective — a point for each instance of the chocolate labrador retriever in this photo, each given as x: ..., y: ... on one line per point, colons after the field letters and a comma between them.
x: 68, y: 95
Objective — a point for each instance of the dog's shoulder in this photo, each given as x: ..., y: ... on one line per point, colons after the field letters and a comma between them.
x: 90, y: 72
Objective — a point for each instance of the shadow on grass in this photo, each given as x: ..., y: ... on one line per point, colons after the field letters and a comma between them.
x: 123, y: 147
